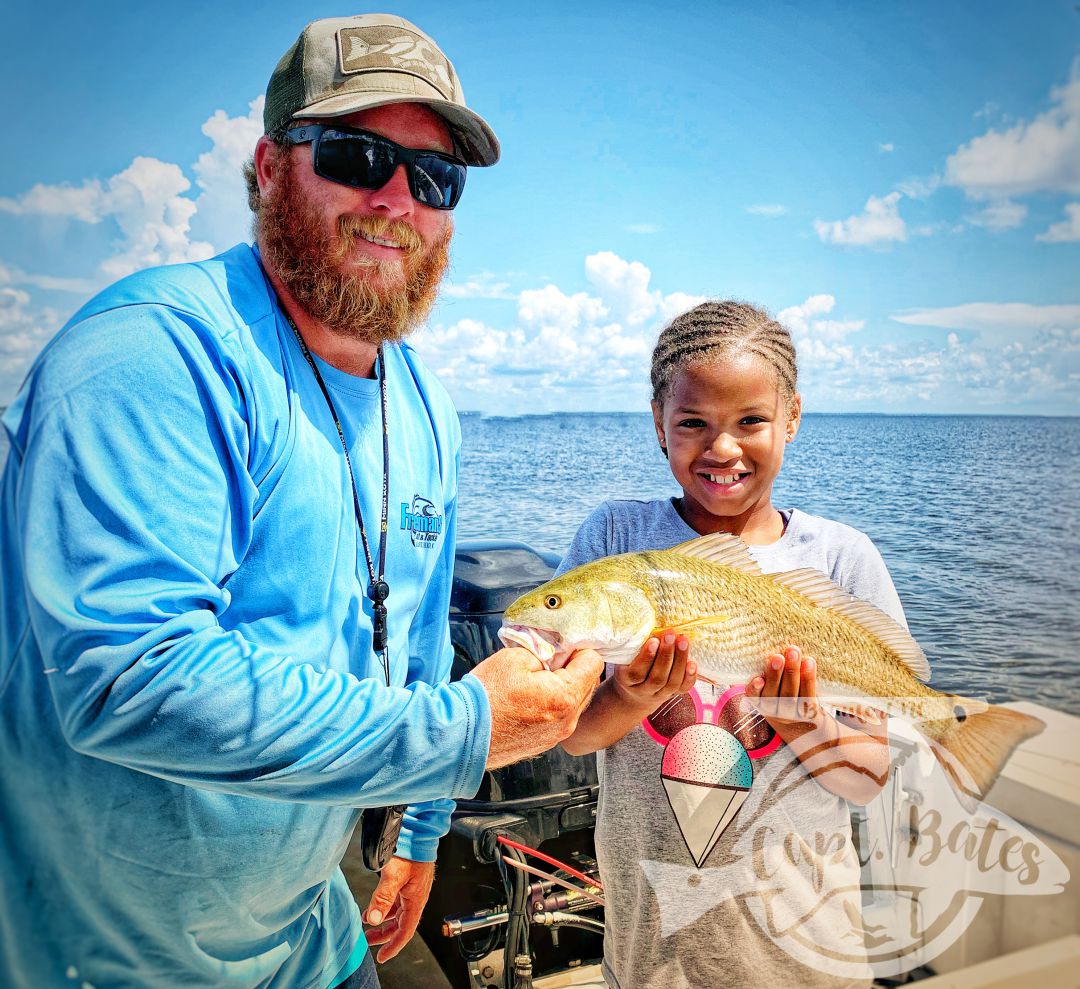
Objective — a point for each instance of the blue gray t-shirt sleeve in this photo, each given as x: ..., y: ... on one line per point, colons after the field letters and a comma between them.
x: 591, y: 542
x: 863, y: 572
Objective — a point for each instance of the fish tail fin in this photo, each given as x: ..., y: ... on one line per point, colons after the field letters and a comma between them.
x: 974, y: 748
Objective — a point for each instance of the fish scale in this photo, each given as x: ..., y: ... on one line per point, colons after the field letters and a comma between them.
x: 767, y: 618
x: 711, y: 590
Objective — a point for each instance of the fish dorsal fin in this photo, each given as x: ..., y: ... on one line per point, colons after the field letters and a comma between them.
x: 815, y: 586
x: 722, y: 548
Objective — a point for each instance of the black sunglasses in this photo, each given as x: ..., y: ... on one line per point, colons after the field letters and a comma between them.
x: 364, y: 160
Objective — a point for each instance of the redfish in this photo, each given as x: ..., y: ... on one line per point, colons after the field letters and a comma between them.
x: 711, y: 590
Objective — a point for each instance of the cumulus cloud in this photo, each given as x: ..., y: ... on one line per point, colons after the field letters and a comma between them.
x: 1009, y: 354
x: 86, y: 202
x: 222, y: 215
x: 147, y: 215
x: 146, y: 202
x: 590, y: 349
x: 1040, y: 155
x: 550, y: 307
x: 485, y: 285
x: 819, y: 341
x: 1012, y: 365
x: 1067, y: 231
x: 886, y: 148
x: 999, y: 356
x: 587, y: 349
x: 1001, y: 215
x: 24, y: 328
x: 643, y: 228
x: 802, y: 321
x: 623, y: 285
x: 767, y: 209
x: 878, y: 225
x: 154, y: 217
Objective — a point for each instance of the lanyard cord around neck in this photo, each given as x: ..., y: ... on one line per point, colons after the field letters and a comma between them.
x: 379, y: 590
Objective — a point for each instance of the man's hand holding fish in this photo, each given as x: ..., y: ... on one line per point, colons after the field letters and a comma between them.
x: 532, y: 707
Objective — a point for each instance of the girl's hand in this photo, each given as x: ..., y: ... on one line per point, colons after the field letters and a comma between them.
x: 661, y: 669
x: 850, y: 759
x: 786, y: 695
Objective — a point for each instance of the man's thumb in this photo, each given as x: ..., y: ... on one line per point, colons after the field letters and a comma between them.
x: 382, y: 900
x: 582, y: 670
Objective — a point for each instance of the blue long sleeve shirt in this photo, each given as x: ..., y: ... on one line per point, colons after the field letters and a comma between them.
x: 190, y: 708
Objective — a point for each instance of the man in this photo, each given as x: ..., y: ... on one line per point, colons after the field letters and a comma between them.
x: 227, y: 550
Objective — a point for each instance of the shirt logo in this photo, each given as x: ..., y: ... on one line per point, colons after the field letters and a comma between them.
x: 422, y: 521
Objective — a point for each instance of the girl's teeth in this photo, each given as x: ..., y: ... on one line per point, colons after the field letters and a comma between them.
x: 723, y: 478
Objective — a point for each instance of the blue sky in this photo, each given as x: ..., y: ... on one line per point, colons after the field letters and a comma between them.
x: 900, y: 184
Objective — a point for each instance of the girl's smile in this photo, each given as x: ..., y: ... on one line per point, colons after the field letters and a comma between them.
x: 724, y: 426
x: 724, y: 483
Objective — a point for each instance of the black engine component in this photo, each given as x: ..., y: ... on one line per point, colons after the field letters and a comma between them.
x: 550, y: 799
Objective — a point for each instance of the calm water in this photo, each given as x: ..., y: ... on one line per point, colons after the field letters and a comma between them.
x: 978, y: 519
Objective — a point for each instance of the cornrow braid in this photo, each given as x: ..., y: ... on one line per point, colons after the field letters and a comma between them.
x: 718, y: 329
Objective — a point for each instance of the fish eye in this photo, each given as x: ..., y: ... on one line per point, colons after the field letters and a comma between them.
x: 959, y: 713
x: 552, y: 601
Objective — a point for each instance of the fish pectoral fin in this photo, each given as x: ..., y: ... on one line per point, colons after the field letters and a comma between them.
x: 682, y: 628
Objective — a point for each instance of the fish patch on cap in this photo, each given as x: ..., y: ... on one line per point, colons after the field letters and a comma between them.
x: 394, y: 49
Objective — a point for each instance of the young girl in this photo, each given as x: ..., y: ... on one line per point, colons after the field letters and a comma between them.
x: 749, y: 878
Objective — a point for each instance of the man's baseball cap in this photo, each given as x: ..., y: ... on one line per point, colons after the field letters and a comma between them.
x: 340, y: 65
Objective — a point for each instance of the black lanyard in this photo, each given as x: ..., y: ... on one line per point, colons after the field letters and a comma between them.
x: 379, y: 590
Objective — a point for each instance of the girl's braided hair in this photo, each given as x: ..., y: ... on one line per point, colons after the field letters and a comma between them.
x: 718, y: 329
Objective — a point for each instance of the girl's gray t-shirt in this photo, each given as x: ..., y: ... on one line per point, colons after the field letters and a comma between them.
x: 776, y: 900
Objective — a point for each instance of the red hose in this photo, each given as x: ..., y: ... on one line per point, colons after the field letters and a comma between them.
x: 503, y: 840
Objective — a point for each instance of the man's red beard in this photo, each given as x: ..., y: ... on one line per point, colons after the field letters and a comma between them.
x: 369, y: 299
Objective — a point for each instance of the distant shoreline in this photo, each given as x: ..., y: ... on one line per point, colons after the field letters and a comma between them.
x: 806, y: 415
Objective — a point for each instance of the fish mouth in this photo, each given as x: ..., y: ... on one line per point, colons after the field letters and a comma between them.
x: 545, y: 644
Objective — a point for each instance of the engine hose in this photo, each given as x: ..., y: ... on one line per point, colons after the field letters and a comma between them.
x: 561, y: 919
x: 484, y: 945
x: 517, y: 927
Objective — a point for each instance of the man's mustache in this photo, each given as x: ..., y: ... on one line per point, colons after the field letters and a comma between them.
x: 352, y: 227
